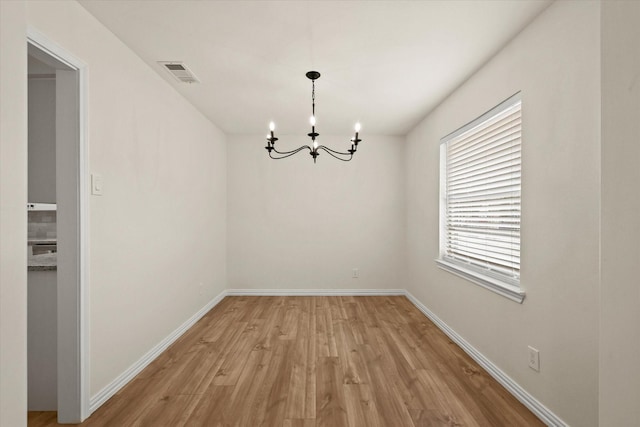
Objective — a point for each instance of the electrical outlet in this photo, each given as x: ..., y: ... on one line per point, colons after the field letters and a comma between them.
x: 356, y: 273
x: 534, y: 359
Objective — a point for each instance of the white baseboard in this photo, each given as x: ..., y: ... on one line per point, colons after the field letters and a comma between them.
x: 541, y: 411
x: 112, y: 388
x: 315, y: 292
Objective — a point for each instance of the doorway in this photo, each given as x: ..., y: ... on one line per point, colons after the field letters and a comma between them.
x: 66, y: 76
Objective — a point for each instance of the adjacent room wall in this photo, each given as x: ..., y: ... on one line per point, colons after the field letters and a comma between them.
x: 285, y: 216
x: 13, y: 218
x: 620, y: 293
x: 158, y: 234
x: 42, y: 139
x: 555, y: 62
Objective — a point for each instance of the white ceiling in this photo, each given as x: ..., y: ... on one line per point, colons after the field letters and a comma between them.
x: 384, y: 63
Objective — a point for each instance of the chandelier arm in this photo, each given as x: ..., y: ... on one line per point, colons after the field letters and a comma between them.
x: 286, y: 154
x: 348, y: 153
x: 334, y: 151
x: 331, y: 153
x: 292, y: 151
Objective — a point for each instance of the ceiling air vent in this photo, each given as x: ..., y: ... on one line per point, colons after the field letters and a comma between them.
x: 179, y: 71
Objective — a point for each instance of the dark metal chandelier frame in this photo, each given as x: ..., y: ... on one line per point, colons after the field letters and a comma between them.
x: 314, y: 149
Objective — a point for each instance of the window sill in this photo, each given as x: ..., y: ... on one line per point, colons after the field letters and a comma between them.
x: 514, y: 293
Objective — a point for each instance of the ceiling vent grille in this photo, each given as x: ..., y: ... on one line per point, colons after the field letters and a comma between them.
x: 179, y: 71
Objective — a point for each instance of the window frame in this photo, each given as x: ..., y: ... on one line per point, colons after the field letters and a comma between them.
x: 496, y: 282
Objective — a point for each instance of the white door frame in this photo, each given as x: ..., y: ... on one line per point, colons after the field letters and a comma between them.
x: 73, y: 270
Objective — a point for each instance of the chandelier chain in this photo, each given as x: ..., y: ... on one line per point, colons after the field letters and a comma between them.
x: 313, y: 97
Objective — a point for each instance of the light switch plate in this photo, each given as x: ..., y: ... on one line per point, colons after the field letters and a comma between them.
x: 534, y: 359
x: 96, y: 184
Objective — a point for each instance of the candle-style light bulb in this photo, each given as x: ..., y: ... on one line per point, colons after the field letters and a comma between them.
x: 315, y: 145
x: 357, y: 127
x: 272, y: 126
x: 312, y: 120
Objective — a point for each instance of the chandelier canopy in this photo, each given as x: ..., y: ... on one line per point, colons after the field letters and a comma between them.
x: 314, y: 149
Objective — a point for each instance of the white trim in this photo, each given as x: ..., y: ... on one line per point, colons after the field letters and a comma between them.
x: 84, y: 264
x: 541, y: 411
x: 514, y: 293
x: 315, y: 292
x: 45, y: 44
x: 114, y: 386
x: 507, y: 103
x: 48, y: 46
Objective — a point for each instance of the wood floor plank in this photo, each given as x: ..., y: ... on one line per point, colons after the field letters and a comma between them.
x: 340, y: 361
x: 387, y: 387
x: 289, y: 328
x: 213, y: 407
x: 172, y: 410
x: 326, y: 335
x: 42, y: 418
x: 269, y: 326
x: 301, y: 402
x: 367, y: 306
x: 275, y: 389
x: 354, y: 370
x: 330, y: 401
x: 298, y: 422
x: 444, y: 405
x: 310, y: 365
x: 235, y: 358
x: 247, y: 401
x: 361, y: 406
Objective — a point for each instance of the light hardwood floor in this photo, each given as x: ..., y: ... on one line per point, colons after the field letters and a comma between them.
x: 311, y: 362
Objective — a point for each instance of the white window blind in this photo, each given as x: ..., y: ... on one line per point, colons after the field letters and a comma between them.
x: 482, y: 193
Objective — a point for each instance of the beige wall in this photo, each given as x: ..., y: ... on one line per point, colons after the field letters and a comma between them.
x: 285, y: 216
x: 555, y: 63
x: 620, y: 289
x: 159, y: 230
x: 13, y: 218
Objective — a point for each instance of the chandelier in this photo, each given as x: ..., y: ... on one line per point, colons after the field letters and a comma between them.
x: 314, y: 149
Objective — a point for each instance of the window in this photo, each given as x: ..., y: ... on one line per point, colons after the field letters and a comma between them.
x: 480, y: 200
